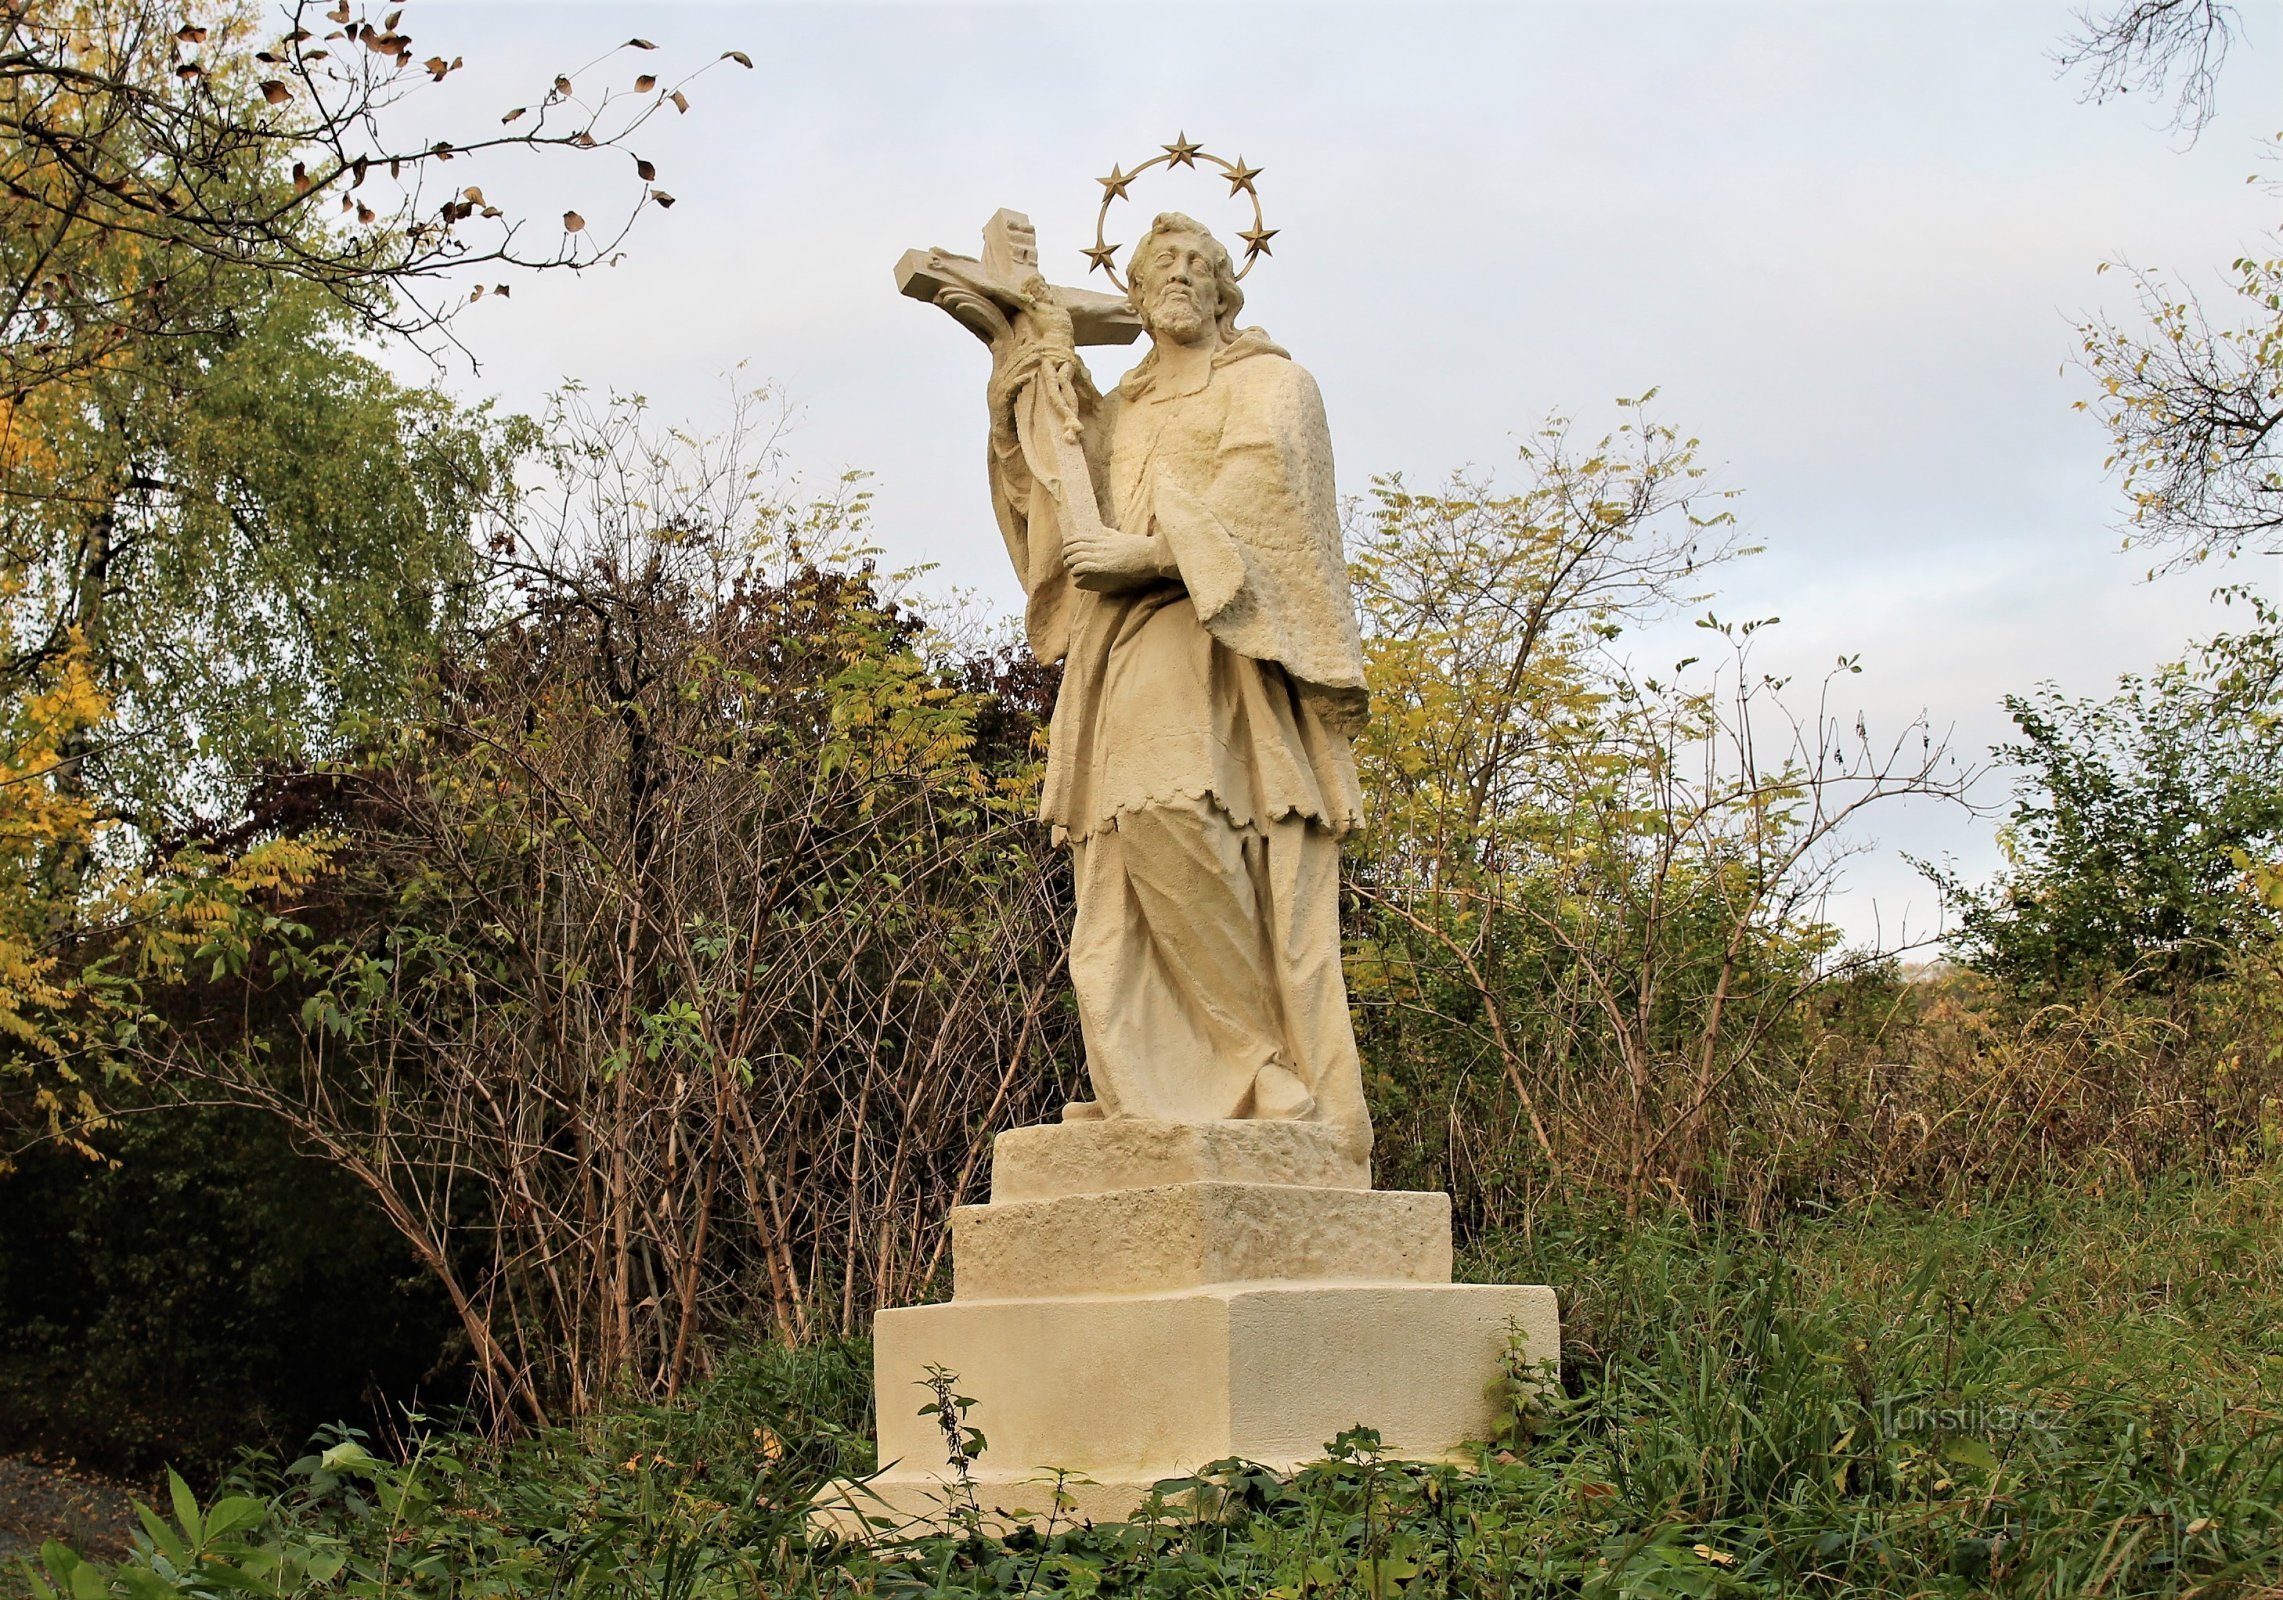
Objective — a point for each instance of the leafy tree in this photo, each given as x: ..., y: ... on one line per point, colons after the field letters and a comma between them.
x: 245, y: 522
x: 2194, y: 407
x: 1591, y: 895
x: 251, y: 534
x: 1484, y: 609
x: 48, y: 1010
x: 226, y: 535
x: 2143, y: 827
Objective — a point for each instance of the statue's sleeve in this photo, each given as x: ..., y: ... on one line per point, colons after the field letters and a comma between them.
x: 1256, y: 532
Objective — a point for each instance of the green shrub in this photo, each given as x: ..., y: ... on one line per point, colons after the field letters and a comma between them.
x: 2138, y: 824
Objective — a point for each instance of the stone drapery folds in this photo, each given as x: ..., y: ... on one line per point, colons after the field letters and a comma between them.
x: 1205, y: 718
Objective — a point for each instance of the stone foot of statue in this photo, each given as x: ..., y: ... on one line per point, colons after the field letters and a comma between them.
x: 1082, y: 1111
x: 1278, y: 1093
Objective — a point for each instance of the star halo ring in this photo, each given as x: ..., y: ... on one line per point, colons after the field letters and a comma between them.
x: 1180, y: 153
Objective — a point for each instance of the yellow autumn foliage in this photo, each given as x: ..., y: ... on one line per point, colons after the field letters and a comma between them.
x: 78, y: 934
x: 44, y: 822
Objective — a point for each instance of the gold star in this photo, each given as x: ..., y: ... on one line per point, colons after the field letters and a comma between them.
x: 1116, y: 183
x: 1256, y: 241
x: 1102, y: 256
x: 1240, y: 176
x: 1183, y: 152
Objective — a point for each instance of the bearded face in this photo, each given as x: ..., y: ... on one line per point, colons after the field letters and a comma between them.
x: 1180, y: 295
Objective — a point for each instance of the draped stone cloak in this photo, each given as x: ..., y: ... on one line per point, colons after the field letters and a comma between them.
x: 1224, y: 698
x: 1249, y: 694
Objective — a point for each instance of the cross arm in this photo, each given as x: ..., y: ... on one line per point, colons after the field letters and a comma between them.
x: 1010, y: 256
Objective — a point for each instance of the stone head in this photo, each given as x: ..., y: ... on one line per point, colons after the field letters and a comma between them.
x: 1182, y: 283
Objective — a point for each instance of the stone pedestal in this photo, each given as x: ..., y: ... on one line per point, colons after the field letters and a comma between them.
x: 1139, y: 1299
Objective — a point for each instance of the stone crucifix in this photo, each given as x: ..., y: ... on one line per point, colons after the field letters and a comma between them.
x: 1178, y: 541
x: 997, y: 298
x: 1010, y: 258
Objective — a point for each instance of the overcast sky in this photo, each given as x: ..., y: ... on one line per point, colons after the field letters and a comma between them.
x: 1846, y: 242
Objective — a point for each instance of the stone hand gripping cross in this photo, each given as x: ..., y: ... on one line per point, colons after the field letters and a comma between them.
x: 1002, y: 300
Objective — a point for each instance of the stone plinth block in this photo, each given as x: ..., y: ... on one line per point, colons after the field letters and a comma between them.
x: 1131, y: 1389
x: 1188, y: 1235
x: 1127, y: 1153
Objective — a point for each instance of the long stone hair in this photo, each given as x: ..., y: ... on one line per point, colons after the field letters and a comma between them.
x: 1232, y: 293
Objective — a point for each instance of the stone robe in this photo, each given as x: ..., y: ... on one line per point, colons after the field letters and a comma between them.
x: 1200, y: 768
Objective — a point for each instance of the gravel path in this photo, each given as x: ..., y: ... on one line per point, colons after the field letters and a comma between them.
x: 40, y: 1502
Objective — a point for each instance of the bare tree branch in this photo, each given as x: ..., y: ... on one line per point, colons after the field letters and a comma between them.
x: 2148, y: 47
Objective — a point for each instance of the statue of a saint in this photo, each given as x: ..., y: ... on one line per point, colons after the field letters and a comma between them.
x: 1201, y: 770
x: 1206, y: 1231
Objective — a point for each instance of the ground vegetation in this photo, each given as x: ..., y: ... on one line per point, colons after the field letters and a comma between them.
x: 2027, y: 1399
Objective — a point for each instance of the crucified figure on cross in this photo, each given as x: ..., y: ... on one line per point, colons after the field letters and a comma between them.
x: 1033, y: 329
x: 1179, y: 547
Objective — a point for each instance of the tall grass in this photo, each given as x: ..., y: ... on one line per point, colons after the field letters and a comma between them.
x: 2062, y: 1395
x: 1931, y: 1088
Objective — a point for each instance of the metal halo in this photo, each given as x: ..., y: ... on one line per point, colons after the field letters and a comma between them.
x: 1180, y: 153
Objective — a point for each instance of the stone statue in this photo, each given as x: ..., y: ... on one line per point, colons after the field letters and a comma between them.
x: 1178, y: 541
x: 1193, y: 1265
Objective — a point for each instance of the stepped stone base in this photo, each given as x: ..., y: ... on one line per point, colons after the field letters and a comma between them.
x: 1142, y: 1299
x: 1060, y: 1158
x: 1186, y: 1235
x: 1149, y: 1386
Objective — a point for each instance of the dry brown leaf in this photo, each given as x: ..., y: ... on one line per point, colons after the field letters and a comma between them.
x: 681, y: 100
x: 644, y: 170
x: 573, y: 222
x: 645, y: 83
x: 738, y: 56
x: 276, y: 93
